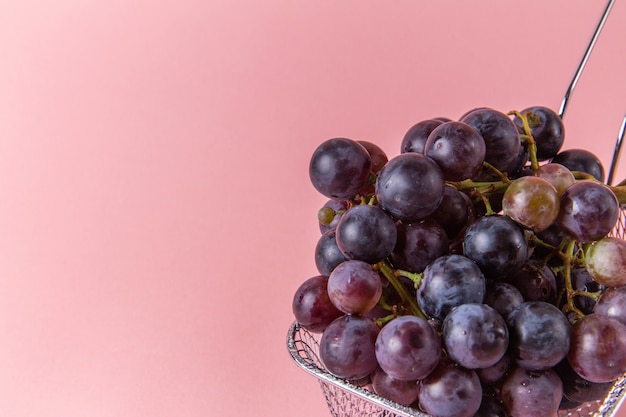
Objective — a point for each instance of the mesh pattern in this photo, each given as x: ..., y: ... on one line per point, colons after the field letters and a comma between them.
x: 347, y: 400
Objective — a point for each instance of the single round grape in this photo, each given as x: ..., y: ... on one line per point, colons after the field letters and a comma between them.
x: 339, y: 168
x: 532, y: 393
x: 311, y: 305
x: 401, y: 392
x: 330, y: 214
x: 497, y: 244
x: 450, y: 391
x: 458, y: 149
x: 589, y: 211
x: 354, y: 287
x: 410, y: 187
x: 557, y: 175
x: 449, y: 281
x: 455, y: 212
x: 408, y: 348
x: 503, y: 297
x: 612, y: 303
x: 366, y: 233
x: 502, y: 139
x: 598, y: 348
x: 581, y: 160
x: 327, y: 253
x: 539, y: 335
x: 605, y: 260
x: 415, y: 138
x: 418, y: 244
x: 532, y: 202
x: 475, y: 335
x: 546, y: 128
x: 495, y: 372
x: 535, y: 281
x: 347, y: 347
x: 377, y: 155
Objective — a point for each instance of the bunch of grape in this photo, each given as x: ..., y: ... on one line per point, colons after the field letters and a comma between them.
x: 473, y: 274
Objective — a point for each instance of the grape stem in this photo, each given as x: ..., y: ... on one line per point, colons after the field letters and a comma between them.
x: 415, y: 277
x: 568, y: 254
x: 388, y: 272
x: 528, y: 138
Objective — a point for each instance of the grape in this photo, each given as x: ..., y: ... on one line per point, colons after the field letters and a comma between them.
x: 450, y: 391
x: 489, y: 407
x: 497, y: 244
x: 495, y: 372
x: 418, y: 244
x: 581, y: 160
x: 408, y: 348
x: 475, y: 335
x: 354, y: 287
x: 454, y: 213
x: 539, y: 335
x: 377, y: 155
x: 503, y: 297
x: 330, y: 214
x: 327, y: 253
x: 458, y: 149
x: 339, y: 168
x: 311, y: 305
x: 532, y: 202
x: 535, y: 281
x: 581, y: 280
x: 502, y: 140
x: 449, y: 281
x: 612, y: 303
x: 605, y: 261
x: 410, y: 187
x: 589, y: 211
x: 532, y: 393
x: 366, y: 233
x: 546, y: 129
x: 578, y: 389
x: 347, y: 347
x: 557, y: 175
x: 402, y: 392
x: 415, y: 138
x: 598, y: 348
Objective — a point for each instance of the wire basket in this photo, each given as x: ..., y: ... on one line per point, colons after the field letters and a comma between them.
x: 345, y: 399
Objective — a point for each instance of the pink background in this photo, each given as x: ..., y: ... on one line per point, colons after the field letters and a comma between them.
x: 155, y: 211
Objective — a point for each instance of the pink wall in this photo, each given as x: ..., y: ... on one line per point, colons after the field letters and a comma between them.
x: 155, y: 212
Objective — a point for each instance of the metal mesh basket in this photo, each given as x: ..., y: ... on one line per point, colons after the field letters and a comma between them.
x: 345, y: 399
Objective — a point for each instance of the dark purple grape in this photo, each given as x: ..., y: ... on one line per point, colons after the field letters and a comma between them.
x: 415, y: 138
x: 532, y: 393
x: 598, y: 348
x: 450, y: 391
x: 582, y: 281
x: 454, y: 213
x: 535, y: 281
x: 311, y: 305
x: 576, y: 388
x: 347, y: 347
x: 503, y: 297
x: 546, y: 127
x: 401, y: 392
x: 377, y: 155
x: 497, y: 244
x: 475, y: 335
x: 408, y: 348
x: 490, y: 407
x: 581, y: 160
x: 410, y: 187
x: 502, y: 140
x: 418, y: 244
x: 354, y: 287
x: 495, y: 372
x: 458, y: 149
x: 612, y: 303
x: 340, y: 168
x: 516, y: 168
x: 450, y: 281
x: 366, y: 233
x: 589, y: 211
x: 330, y: 214
x: 327, y: 253
x: 539, y: 335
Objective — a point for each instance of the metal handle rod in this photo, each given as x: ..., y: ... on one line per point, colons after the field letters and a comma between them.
x: 618, y: 147
x: 585, y: 58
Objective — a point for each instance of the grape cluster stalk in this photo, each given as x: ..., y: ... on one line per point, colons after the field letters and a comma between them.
x: 473, y: 274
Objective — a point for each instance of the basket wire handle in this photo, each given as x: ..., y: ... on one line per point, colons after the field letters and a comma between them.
x: 585, y: 58
x: 618, y: 147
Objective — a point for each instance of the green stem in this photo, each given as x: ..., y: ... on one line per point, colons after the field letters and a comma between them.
x: 567, y: 276
x: 413, y: 276
x: 528, y: 138
x: 388, y: 272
